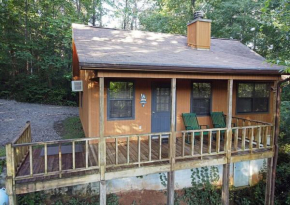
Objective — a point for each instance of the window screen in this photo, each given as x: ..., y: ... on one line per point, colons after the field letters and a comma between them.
x: 201, y: 98
x: 253, y: 97
x: 121, y: 100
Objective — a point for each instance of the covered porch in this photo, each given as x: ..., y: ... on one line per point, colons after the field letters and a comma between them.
x: 36, y: 166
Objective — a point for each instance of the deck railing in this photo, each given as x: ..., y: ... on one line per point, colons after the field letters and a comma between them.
x: 251, y: 138
x: 77, y: 155
x: 20, y: 153
x: 141, y: 145
x: 33, y: 147
x: 196, y: 139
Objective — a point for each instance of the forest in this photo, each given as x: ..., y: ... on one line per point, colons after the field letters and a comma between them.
x: 36, y: 44
x: 35, y: 36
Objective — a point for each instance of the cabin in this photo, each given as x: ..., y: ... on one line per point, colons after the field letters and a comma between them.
x: 154, y: 102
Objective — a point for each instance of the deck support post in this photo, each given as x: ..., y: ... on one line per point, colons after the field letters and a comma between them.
x: 10, y: 188
x: 170, y: 175
x: 272, y: 162
x: 102, y: 144
x: 228, y: 141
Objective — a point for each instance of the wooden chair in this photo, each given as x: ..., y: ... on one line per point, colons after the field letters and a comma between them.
x: 219, y: 121
x: 191, y: 123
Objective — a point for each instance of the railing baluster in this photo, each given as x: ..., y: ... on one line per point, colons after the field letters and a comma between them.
x: 236, y: 139
x: 160, y: 145
x: 30, y: 160
x: 251, y: 139
x: 150, y: 147
x: 45, y: 158
x: 139, y: 151
x: 74, y: 154
x: 183, y: 143
x: 259, y: 137
x: 243, y: 139
x: 87, y: 154
x: 128, y: 150
x: 59, y: 160
x: 209, y: 141
x: 201, y: 142
x: 266, y: 137
x: 218, y: 140
x: 192, y: 143
x: 116, y: 147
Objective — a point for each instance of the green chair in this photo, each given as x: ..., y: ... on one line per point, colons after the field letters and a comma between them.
x: 191, y: 123
x: 219, y: 121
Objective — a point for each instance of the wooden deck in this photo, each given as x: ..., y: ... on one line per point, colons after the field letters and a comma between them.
x: 111, y: 164
x: 36, y: 166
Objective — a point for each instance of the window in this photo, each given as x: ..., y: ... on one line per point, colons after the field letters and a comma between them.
x: 253, y: 97
x: 121, y: 100
x: 201, y: 98
x: 163, y: 99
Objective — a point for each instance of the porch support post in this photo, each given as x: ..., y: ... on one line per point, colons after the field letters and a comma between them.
x: 170, y: 175
x: 272, y: 162
x: 228, y: 141
x: 102, y: 144
x: 10, y: 188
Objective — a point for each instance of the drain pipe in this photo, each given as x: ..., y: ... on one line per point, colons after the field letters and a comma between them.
x: 276, y: 135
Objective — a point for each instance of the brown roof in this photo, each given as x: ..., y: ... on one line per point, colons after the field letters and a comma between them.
x: 119, y: 49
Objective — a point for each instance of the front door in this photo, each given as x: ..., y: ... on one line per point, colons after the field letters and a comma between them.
x: 161, y: 107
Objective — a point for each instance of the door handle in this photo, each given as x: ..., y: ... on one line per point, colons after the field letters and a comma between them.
x: 153, y: 112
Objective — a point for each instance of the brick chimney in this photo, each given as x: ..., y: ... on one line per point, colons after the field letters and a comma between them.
x: 199, y: 32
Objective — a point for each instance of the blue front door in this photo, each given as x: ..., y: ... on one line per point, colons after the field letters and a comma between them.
x: 161, y: 107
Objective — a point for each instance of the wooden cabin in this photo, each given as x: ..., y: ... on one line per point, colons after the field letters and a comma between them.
x: 136, y: 87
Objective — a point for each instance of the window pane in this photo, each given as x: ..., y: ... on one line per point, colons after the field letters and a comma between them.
x: 245, y: 90
x: 244, y: 105
x: 121, y: 90
x: 262, y: 90
x: 201, y: 90
x: 201, y: 106
x: 162, y: 99
x: 120, y: 108
x: 260, y: 105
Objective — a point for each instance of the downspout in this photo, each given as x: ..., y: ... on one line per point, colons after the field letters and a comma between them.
x: 277, y: 130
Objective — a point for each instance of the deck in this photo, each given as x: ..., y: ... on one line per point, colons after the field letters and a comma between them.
x: 43, y: 165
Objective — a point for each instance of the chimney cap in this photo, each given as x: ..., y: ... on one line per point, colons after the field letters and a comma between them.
x: 198, y: 14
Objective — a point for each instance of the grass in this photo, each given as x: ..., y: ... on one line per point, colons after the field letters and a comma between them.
x: 2, y: 151
x: 72, y: 128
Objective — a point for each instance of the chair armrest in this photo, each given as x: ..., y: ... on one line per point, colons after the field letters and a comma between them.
x: 204, y: 126
x: 188, y: 127
x: 217, y: 126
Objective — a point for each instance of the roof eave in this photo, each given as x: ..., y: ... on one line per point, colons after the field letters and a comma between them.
x: 166, y: 68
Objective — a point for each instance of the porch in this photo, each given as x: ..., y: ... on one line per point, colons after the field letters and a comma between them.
x: 36, y: 166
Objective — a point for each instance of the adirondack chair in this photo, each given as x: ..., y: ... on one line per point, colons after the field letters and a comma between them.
x: 218, y: 121
x: 191, y: 123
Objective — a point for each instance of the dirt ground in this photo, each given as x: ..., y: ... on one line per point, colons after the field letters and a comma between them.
x: 144, y: 197
x: 13, y: 116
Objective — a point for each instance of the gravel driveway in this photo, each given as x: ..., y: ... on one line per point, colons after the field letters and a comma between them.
x: 13, y: 116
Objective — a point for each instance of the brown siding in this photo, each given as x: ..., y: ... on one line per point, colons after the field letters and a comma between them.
x: 76, y: 70
x: 89, y: 113
x: 89, y: 110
